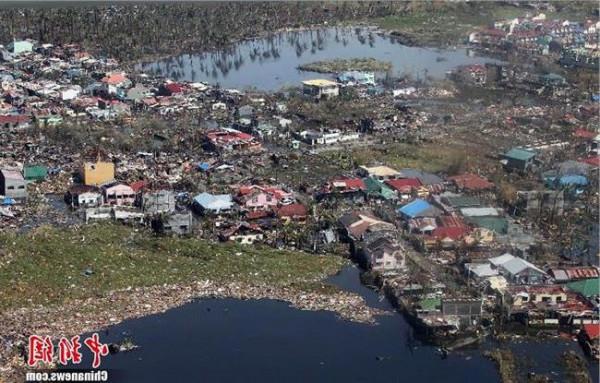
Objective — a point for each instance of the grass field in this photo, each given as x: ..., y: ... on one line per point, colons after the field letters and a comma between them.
x: 48, y: 266
x: 429, y: 157
x: 450, y: 24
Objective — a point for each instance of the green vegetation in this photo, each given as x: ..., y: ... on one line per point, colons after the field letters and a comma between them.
x: 428, y: 157
x: 51, y: 265
x: 143, y: 30
x: 443, y: 23
x: 577, y: 368
x: 341, y: 65
x: 506, y: 363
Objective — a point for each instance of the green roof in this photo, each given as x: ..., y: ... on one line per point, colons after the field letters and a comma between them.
x: 520, y: 154
x: 586, y: 287
x: 464, y: 201
x: 35, y: 172
x: 497, y: 224
x: 430, y: 304
x: 378, y: 188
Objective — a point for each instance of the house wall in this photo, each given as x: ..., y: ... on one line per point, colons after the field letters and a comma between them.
x: 261, y: 201
x: 16, y: 189
x: 320, y: 92
x: 247, y: 239
x: 387, y: 261
x: 158, y: 202
x: 119, y: 195
x: 98, y: 173
x: 528, y: 277
x: 89, y: 199
x: 553, y: 298
x: 178, y: 224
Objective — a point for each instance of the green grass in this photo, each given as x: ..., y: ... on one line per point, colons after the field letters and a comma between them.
x: 341, y: 65
x: 450, y: 23
x: 430, y: 157
x: 47, y: 266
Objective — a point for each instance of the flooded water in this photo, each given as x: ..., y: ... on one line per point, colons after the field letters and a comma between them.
x: 228, y: 340
x: 271, y: 63
x: 267, y: 341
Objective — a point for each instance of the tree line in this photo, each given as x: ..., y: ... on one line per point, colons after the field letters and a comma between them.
x: 133, y: 31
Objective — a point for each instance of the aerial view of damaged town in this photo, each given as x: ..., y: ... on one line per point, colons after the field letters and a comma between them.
x: 332, y: 191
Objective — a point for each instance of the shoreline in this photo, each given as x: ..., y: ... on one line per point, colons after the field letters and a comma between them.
x: 404, y: 38
x: 121, y: 305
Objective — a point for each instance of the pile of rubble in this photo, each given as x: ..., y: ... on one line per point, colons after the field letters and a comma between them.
x: 138, y: 302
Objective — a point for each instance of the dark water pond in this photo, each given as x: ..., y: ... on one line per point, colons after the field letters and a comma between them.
x: 230, y: 340
x: 271, y: 63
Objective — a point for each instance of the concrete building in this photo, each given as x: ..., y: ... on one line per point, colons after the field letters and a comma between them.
x: 381, y: 252
x: 175, y: 223
x: 119, y: 194
x: 13, y: 185
x: 321, y: 88
x: 83, y: 196
x: 160, y: 201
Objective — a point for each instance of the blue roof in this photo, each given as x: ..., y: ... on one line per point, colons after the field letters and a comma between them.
x: 415, y: 207
x: 203, y: 166
x: 7, y: 201
x: 215, y: 202
x: 574, y: 180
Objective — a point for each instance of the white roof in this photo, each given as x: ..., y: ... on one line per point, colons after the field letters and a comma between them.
x: 481, y: 270
x: 479, y: 211
x: 497, y: 261
x: 513, y: 265
x: 516, y: 265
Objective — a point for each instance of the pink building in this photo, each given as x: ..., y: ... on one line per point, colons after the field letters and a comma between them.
x: 119, y: 194
x: 261, y: 200
x: 264, y: 197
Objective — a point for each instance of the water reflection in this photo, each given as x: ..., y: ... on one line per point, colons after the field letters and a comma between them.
x: 270, y: 63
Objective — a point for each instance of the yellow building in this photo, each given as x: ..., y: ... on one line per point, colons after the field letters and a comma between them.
x: 321, y: 88
x: 98, y: 173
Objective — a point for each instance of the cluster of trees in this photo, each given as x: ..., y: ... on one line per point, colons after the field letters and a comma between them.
x: 136, y: 30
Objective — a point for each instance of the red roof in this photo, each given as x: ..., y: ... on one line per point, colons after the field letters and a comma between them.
x: 350, y: 183
x: 594, y: 161
x: 13, y: 119
x: 273, y: 190
x: 493, y: 32
x: 227, y: 136
x: 294, y: 210
x: 584, y: 133
x: 138, y: 185
x: 451, y: 221
x: 470, y: 181
x: 592, y: 330
x: 582, y: 272
x: 114, y: 79
x: 404, y: 184
x: 454, y: 233
x: 174, y: 88
x: 257, y: 214
x: 150, y: 101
